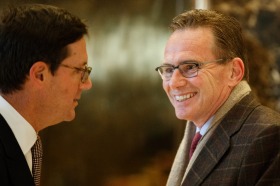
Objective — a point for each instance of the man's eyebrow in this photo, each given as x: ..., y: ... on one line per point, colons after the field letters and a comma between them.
x: 166, y: 63
x: 191, y: 61
x: 84, y: 63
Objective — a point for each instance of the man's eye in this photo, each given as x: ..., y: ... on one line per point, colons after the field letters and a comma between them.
x: 189, y: 67
x: 167, y: 69
x: 77, y: 70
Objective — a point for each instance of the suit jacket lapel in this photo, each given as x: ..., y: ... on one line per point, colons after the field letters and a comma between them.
x: 219, y: 142
x: 182, y: 158
x: 18, y: 168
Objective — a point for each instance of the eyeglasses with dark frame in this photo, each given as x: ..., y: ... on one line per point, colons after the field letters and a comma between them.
x: 85, y: 71
x: 188, y: 69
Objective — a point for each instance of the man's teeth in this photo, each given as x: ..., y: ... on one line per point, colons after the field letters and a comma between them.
x: 184, y: 97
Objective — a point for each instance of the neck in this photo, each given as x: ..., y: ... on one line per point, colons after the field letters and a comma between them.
x: 23, y: 105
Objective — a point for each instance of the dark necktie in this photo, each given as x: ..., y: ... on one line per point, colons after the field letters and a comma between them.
x: 195, y: 140
x: 37, y: 154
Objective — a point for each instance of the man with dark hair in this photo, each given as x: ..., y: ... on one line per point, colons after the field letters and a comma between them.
x: 43, y: 71
x: 230, y: 138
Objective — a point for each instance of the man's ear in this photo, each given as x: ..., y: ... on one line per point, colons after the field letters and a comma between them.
x: 38, y: 71
x: 237, y: 71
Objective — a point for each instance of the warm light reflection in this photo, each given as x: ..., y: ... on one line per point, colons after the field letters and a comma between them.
x: 133, y: 46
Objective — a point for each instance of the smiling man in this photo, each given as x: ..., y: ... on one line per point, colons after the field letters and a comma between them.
x: 43, y: 71
x: 230, y: 139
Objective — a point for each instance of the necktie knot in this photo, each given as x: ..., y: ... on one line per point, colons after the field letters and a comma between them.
x: 37, y: 155
x: 195, y: 141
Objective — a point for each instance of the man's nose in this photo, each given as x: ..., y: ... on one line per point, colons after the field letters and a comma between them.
x: 87, y: 84
x: 177, y: 79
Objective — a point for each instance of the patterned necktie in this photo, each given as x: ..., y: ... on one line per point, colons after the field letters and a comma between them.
x: 195, y: 140
x: 37, y: 154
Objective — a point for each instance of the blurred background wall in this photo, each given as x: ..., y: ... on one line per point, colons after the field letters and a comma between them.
x: 126, y: 132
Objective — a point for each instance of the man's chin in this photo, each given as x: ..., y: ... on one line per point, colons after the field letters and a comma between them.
x: 70, y: 117
x: 181, y: 115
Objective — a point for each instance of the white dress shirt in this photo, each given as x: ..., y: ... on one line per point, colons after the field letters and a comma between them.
x: 23, y: 131
x: 205, y: 127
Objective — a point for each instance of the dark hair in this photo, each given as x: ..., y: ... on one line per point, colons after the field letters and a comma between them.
x: 31, y: 33
x: 227, y: 33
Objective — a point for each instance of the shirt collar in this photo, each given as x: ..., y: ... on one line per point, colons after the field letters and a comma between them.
x: 23, y: 131
x: 205, y: 127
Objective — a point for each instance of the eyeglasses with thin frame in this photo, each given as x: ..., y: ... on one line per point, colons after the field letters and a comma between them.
x: 188, y: 69
x: 85, y: 71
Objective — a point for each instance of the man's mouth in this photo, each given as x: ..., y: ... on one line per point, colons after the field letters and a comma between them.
x: 184, y: 97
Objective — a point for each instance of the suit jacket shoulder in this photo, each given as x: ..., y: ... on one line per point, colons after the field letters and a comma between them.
x: 13, y: 166
x: 243, y: 149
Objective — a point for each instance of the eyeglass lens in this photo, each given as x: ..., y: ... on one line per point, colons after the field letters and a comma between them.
x: 187, y: 70
x: 86, y: 74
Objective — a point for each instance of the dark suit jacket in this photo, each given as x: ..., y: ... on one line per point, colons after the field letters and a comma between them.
x: 243, y: 150
x: 14, y: 169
